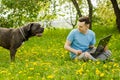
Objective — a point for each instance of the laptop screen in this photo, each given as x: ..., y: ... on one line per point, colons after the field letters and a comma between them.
x: 101, y: 45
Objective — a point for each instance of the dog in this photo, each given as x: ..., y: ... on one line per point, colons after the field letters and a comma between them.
x: 12, y: 38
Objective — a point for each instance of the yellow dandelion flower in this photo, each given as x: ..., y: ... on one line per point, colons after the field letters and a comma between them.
x: 102, y: 75
x: 55, y: 71
x: 116, y: 65
x: 98, y: 62
x: 97, y: 71
x: 90, y: 60
x: 26, y: 65
x: 62, y: 55
x: 43, y: 78
x: 35, y: 63
x: 26, y: 60
x: 31, y: 69
x: 3, y: 72
x: 113, y: 71
x: 29, y: 77
x: 20, y: 72
x: 9, y: 73
x: 62, y: 77
x: 50, y: 77
x: 84, y: 64
x: 46, y: 69
x: 80, y: 71
x: 105, y: 66
x: 87, y: 70
x: 38, y: 73
x: 12, y: 63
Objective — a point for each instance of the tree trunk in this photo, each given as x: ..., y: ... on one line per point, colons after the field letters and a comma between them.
x: 77, y: 7
x: 117, y: 13
x: 90, y: 12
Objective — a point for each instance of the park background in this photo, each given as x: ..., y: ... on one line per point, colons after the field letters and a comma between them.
x: 44, y: 58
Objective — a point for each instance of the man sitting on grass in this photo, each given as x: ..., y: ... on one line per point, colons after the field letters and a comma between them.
x: 81, y: 40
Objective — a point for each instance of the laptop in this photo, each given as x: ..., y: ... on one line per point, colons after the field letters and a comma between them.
x: 101, y: 45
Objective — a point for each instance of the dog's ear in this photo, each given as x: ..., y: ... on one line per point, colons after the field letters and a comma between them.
x: 29, y: 26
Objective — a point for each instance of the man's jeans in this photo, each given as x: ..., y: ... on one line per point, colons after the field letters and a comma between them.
x: 103, y: 56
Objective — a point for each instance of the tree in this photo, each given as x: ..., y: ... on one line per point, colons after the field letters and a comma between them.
x: 77, y: 7
x: 22, y: 11
x: 79, y: 13
x: 90, y: 12
x: 117, y: 13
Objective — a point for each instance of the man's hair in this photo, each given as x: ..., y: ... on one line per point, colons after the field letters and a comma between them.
x: 84, y: 19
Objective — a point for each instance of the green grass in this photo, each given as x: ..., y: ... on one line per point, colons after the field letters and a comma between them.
x: 44, y: 58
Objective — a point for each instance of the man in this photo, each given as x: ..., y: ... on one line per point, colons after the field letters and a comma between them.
x: 81, y: 40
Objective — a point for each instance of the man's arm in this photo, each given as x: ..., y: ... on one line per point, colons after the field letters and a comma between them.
x: 68, y: 47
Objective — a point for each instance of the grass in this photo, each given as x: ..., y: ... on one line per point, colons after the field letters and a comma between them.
x: 44, y: 58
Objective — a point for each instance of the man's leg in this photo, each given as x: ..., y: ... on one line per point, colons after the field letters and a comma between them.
x: 86, y: 56
x: 105, y: 55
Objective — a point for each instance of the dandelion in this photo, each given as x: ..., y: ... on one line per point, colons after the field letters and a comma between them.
x: 37, y: 73
x: 3, y: 72
x: 26, y: 60
x: 62, y: 77
x: 97, y: 71
x: 87, y: 70
x: 62, y: 55
x: 102, y: 75
x: 29, y: 77
x: 84, y: 64
x: 55, y: 71
x: 9, y: 73
x: 43, y: 78
x: 12, y: 78
x: 26, y: 65
x: 50, y: 77
x: 76, y: 59
x: 35, y: 63
x: 90, y: 60
x: 12, y: 63
x: 98, y: 62
x: 113, y: 71
x: 80, y: 71
x: 31, y: 69
x: 105, y: 66
x: 20, y: 72
x: 46, y: 69
x: 116, y: 65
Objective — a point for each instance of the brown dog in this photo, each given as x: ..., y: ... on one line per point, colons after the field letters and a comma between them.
x: 12, y: 39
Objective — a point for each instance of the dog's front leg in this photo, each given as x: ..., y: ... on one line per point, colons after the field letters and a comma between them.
x: 12, y: 54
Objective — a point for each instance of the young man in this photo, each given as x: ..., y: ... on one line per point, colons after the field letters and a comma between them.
x: 80, y: 40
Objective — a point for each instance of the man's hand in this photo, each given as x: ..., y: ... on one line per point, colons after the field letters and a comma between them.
x: 78, y: 52
x: 87, y: 54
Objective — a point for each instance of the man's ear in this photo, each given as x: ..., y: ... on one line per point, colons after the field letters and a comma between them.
x: 88, y: 25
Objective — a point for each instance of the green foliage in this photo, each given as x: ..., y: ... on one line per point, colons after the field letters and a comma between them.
x: 44, y: 58
x: 104, y: 13
x: 14, y: 13
x: 4, y: 22
x: 17, y: 13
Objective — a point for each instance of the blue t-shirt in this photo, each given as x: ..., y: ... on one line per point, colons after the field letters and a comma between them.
x: 80, y: 41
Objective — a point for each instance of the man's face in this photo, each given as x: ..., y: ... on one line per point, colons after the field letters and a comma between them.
x: 83, y: 27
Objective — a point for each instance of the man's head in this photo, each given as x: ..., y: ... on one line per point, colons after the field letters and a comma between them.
x: 83, y: 24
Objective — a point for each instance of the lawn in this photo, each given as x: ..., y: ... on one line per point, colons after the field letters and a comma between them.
x: 44, y: 58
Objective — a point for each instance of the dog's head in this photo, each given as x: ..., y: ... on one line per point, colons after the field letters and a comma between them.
x: 35, y: 29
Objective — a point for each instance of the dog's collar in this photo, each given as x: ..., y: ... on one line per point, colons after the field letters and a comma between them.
x: 22, y: 32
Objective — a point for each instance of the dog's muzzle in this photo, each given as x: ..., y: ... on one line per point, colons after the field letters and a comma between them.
x: 39, y: 33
